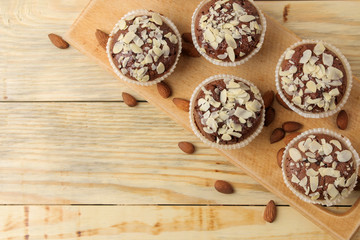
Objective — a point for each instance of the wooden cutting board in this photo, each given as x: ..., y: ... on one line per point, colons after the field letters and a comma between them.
x: 257, y: 159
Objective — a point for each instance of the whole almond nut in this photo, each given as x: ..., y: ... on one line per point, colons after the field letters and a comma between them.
x: 182, y: 104
x: 291, y: 126
x: 102, y: 38
x: 342, y: 120
x: 270, y: 212
x: 190, y: 50
x: 129, y: 99
x: 164, y: 89
x: 187, y: 37
x: 58, y: 41
x: 279, y: 156
x: 187, y: 147
x: 277, y: 135
x: 290, y: 137
x: 269, y: 116
x: 281, y: 102
x: 223, y: 187
x: 268, y: 98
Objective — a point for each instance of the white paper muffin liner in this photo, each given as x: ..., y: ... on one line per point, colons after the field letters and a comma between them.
x: 224, y: 63
x: 140, y: 12
x: 348, y: 75
x: 241, y: 144
x: 339, y: 137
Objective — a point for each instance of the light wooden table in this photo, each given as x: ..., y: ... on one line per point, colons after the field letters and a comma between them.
x: 77, y: 163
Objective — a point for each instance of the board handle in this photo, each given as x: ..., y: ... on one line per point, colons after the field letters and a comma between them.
x: 344, y: 225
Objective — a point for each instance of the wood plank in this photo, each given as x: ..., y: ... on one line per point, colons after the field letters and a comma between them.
x: 103, y: 153
x: 251, y: 159
x: 153, y: 222
x: 28, y: 72
x: 98, y: 153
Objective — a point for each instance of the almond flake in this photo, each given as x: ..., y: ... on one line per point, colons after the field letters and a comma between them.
x: 294, y: 179
x: 157, y: 51
x: 311, y: 86
x: 311, y: 172
x: 122, y: 24
x: 237, y: 7
x: 145, y: 78
x: 231, y: 53
x: 336, y: 143
x: 328, y: 159
x: 295, y: 154
x: 332, y: 191
x: 344, y: 156
x: 302, y: 147
x: 160, y: 68
x: 296, y: 100
x: 129, y: 37
x: 306, y: 56
x: 314, y: 146
x: 209, y: 36
x: 173, y: 39
x: 303, y: 182
x: 246, y: 18
x: 223, y: 96
x: 230, y: 41
x: 117, y: 47
x: 319, y: 48
x: 223, y: 116
x: 329, y: 172
x: 253, y: 106
x: 135, y: 48
x: 334, y: 73
x: 156, y: 18
x: 204, y: 107
x: 340, y: 182
x: 351, y: 180
x: 328, y: 59
x: 314, y: 183
x: 226, y: 137
x: 242, y: 113
x: 310, y: 155
x: 327, y: 148
x: 289, y: 54
x: 208, y: 130
x: 334, y: 92
x: 222, y: 56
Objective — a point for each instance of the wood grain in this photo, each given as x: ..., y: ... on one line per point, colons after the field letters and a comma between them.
x: 87, y: 153
x: 153, y: 222
x: 101, y: 153
x: 37, y: 71
x: 186, y: 77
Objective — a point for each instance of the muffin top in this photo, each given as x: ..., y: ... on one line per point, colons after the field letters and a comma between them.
x: 320, y: 167
x: 313, y: 78
x: 227, y: 111
x: 144, y: 47
x: 228, y: 30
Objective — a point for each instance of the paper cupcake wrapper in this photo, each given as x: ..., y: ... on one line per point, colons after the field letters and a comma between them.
x: 339, y: 137
x: 223, y: 63
x: 140, y: 12
x: 241, y: 144
x: 348, y: 74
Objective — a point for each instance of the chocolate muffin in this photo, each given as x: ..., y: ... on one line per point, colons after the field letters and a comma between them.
x: 320, y: 167
x: 226, y: 32
x: 227, y: 111
x: 313, y: 78
x: 144, y: 47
